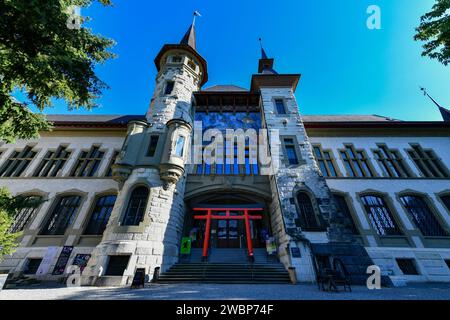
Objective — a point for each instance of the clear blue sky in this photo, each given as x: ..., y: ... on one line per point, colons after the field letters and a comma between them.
x: 346, y: 68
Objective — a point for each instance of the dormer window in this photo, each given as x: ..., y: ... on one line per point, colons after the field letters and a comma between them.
x: 169, y: 87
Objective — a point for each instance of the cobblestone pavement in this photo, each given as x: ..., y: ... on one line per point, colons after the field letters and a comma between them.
x: 228, y: 292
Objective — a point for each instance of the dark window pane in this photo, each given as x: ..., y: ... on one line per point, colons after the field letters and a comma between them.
x: 279, y: 104
x: 306, y: 213
x: 446, y: 200
x: 169, y: 87
x: 292, y: 155
x: 136, y: 207
x: 100, y: 215
x: 343, y: 207
x: 423, y: 218
x: 117, y: 265
x: 32, y: 266
x: 62, y: 215
x: 407, y: 266
x: 26, y: 214
x: 153, y: 145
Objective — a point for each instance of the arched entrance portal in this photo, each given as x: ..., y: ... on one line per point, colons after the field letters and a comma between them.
x: 223, y: 223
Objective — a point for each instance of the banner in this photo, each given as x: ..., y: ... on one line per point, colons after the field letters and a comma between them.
x: 63, y: 259
x: 47, y: 261
x: 186, y: 244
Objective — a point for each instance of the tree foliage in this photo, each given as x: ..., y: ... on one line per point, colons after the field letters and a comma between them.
x: 434, y: 29
x: 41, y: 56
x: 9, y: 208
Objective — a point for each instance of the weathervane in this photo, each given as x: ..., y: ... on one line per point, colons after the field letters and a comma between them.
x: 196, y: 14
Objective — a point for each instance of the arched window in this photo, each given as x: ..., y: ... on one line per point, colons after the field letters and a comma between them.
x: 308, y: 219
x: 422, y: 216
x: 345, y: 210
x: 380, y: 216
x: 26, y: 214
x: 62, y: 216
x: 100, y: 215
x: 136, y: 207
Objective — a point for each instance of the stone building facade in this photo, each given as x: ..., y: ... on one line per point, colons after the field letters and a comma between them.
x: 126, y: 192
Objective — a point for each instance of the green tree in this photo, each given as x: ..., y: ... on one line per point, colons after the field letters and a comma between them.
x: 434, y: 29
x: 9, y: 208
x: 46, y: 55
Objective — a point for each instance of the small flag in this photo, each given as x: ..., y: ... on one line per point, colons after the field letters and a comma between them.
x: 197, y: 14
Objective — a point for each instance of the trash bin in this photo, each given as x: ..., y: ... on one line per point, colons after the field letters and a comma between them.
x: 292, y: 275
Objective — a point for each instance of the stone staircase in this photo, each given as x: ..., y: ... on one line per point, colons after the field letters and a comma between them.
x: 226, y: 273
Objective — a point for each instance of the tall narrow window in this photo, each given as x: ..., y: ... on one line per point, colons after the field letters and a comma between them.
x: 153, y: 145
x: 26, y: 215
x: 291, y: 152
x: 392, y: 162
x: 88, y: 163
x: 109, y: 173
x: 62, y: 215
x: 52, y: 163
x: 100, y: 215
x: 17, y: 162
x: 380, y: 216
x: 136, y: 207
x: 279, y: 106
x: 308, y: 219
x: 343, y: 207
x: 427, y: 162
x: 326, y: 161
x: 356, y: 162
x: 169, y: 87
x: 446, y: 201
x: 179, y: 148
x: 423, y: 218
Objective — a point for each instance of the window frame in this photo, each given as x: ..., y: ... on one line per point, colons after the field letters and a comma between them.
x: 18, y: 159
x: 295, y: 145
x: 436, y: 162
x: 326, y: 161
x: 45, y: 225
x: 348, y: 162
x: 88, y: 161
x: 92, y: 210
x: 352, y: 216
x: 31, y: 215
x: 431, y: 210
x: 112, y: 161
x: 56, y: 162
x: 275, y: 106
x: 384, y: 155
x: 167, y: 84
x: 152, y: 148
x: 398, y: 226
x: 127, y: 208
x: 320, y: 223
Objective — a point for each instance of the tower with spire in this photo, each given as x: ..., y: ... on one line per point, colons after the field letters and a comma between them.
x: 151, y: 167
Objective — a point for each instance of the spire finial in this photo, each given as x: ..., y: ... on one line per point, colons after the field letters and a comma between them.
x: 196, y: 14
x: 263, y: 52
x: 444, y: 112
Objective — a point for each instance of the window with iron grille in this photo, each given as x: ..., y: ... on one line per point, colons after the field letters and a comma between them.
x: 62, y: 215
x: 88, y: 163
x: 26, y: 215
x: 280, y: 106
x: 407, y: 266
x: 427, y: 162
x: 100, y: 215
x: 326, y: 162
x: 136, y: 207
x: 308, y: 219
x: 17, y: 162
x: 392, y: 162
x: 32, y: 266
x: 422, y: 216
x: 380, y: 216
x: 356, y: 162
x: 446, y: 201
x: 53, y: 163
x: 343, y: 207
x: 109, y: 173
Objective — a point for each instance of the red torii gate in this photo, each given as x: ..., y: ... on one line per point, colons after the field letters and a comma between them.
x: 209, y: 216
